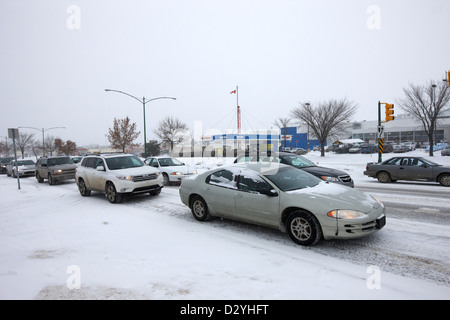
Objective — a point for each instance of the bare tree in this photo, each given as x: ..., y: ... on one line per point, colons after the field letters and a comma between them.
x: 325, y: 120
x: 283, y: 123
x: 169, y: 130
x: 49, y: 145
x: 67, y: 148
x: 123, y: 134
x: 426, y: 103
x: 23, y: 141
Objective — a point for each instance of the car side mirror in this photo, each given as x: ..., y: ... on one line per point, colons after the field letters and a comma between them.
x: 269, y: 192
x: 100, y: 168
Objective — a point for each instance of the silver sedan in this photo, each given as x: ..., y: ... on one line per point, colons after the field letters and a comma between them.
x: 285, y: 198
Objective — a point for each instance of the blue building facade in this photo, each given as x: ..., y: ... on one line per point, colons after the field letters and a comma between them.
x: 294, y: 139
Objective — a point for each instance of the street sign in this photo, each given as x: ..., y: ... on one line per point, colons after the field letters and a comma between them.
x: 380, y: 132
x: 13, y: 133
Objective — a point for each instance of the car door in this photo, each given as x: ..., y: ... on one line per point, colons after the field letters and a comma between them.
x: 420, y: 170
x: 252, y: 205
x: 98, y: 177
x: 220, y: 191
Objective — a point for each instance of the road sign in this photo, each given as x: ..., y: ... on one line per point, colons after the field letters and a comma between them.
x: 13, y: 133
x: 380, y: 132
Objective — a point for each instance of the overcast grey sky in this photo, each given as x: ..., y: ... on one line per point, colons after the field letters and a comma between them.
x: 57, y: 57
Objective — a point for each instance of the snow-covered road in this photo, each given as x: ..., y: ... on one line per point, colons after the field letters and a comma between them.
x: 56, y: 244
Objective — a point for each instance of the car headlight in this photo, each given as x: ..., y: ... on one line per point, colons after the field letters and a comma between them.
x: 330, y: 179
x: 127, y: 178
x: 194, y: 172
x: 381, y: 203
x: 346, y: 214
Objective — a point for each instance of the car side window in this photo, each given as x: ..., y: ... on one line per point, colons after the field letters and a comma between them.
x: 154, y: 163
x: 251, y: 182
x: 99, y: 162
x: 222, y: 178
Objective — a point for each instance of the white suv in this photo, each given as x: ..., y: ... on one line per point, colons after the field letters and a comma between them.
x: 117, y: 175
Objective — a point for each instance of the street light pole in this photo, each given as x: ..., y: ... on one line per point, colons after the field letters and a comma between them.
x: 143, y: 101
x: 43, y: 130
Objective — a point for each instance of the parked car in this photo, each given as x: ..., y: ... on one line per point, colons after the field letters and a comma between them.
x: 446, y: 151
x: 327, y: 174
x: 410, y: 146
x: 408, y: 168
x: 285, y: 198
x: 369, y: 148
x: 172, y: 169
x: 398, y: 148
x: 117, y: 175
x: 24, y: 167
x: 3, y: 163
x: 298, y: 151
x: 355, y: 148
x: 55, y: 169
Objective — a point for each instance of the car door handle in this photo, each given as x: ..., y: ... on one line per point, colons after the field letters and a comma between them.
x: 239, y: 196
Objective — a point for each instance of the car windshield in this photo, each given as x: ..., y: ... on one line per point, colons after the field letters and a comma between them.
x: 59, y: 161
x: 117, y: 163
x: 297, y: 161
x: 290, y: 178
x: 169, y: 162
x: 25, y: 163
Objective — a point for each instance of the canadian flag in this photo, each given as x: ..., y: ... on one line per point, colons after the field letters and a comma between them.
x: 234, y: 91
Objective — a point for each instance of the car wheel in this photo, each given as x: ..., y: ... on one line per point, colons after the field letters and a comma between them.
x: 445, y: 180
x: 383, y: 177
x: 200, y: 209
x: 303, y: 228
x: 51, y: 181
x: 166, y: 179
x: 39, y: 178
x: 112, y: 194
x: 82, y: 188
x: 155, y: 192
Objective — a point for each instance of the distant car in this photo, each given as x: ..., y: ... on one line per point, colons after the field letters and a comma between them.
x: 25, y: 168
x: 172, y: 169
x: 298, y: 151
x: 398, y: 148
x: 356, y: 148
x: 327, y: 174
x: 369, y: 148
x: 446, y: 151
x: 76, y: 159
x: 117, y: 175
x: 408, y: 168
x: 3, y: 163
x: 55, y: 169
x: 284, y: 198
x: 410, y: 146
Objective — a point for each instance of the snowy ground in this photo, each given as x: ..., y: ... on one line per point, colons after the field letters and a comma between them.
x: 56, y: 244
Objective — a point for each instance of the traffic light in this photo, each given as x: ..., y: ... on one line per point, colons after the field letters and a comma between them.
x: 389, y: 112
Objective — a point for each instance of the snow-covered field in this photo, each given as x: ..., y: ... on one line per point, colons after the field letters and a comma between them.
x: 56, y: 244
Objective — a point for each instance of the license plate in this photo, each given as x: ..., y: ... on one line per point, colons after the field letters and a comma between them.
x: 380, y: 222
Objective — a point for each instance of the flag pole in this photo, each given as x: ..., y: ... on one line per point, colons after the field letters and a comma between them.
x: 238, y: 111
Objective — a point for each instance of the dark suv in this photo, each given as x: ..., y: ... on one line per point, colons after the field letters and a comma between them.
x: 3, y: 163
x: 55, y: 169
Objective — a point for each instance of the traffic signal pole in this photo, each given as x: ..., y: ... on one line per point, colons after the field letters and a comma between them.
x: 380, y: 140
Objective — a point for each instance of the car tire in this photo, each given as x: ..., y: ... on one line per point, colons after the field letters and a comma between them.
x: 166, y: 179
x: 155, y: 192
x: 445, y: 180
x: 51, y: 181
x: 85, y: 192
x: 200, y: 209
x: 383, y: 177
x: 39, y: 178
x: 112, y: 194
x: 303, y: 228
